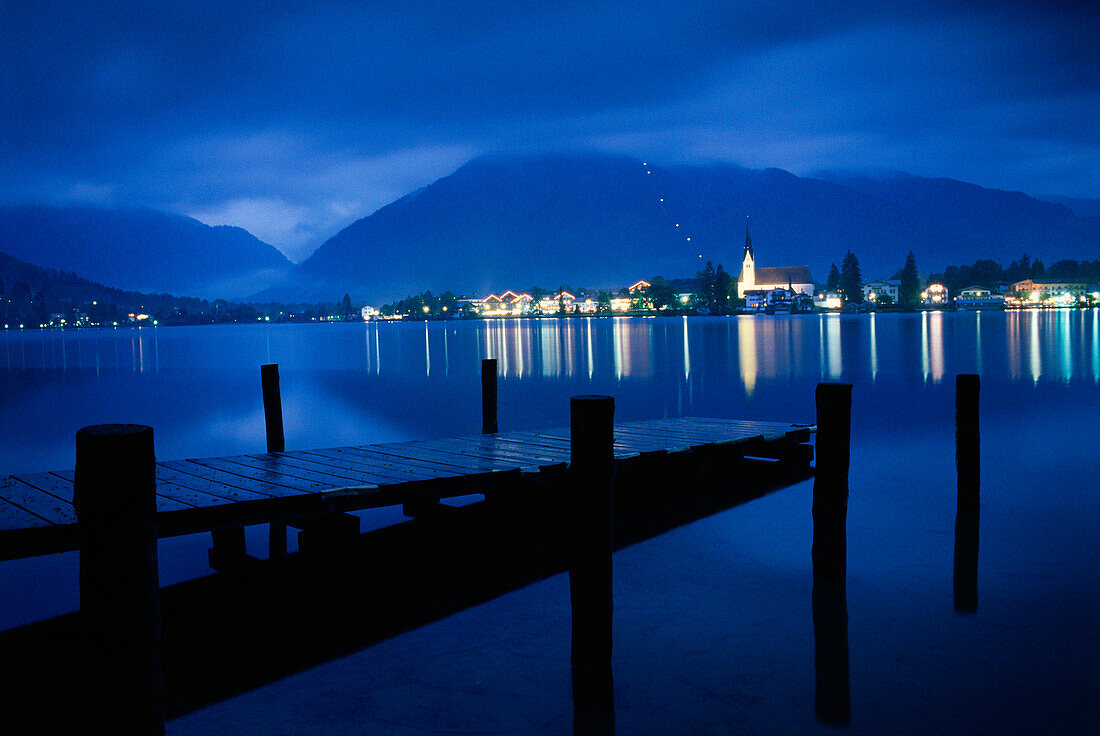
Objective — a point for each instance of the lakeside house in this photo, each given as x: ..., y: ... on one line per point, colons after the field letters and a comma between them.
x: 778, y: 300
x: 934, y: 295
x: 828, y: 300
x: 553, y: 303
x: 882, y: 291
x: 979, y: 297
x: 766, y: 278
x: 1049, y: 292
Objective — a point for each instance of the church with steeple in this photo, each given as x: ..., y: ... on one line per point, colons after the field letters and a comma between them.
x: 766, y: 278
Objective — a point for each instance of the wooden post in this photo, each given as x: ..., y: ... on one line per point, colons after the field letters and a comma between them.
x: 592, y: 507
x: 114, y: 496
x: 273, y: 407
x: 489, y: 396
x: 276, y: 442
x: 832, y: 699
x: 830, y: 502
x: 968, y: 510
x: 967, y: 439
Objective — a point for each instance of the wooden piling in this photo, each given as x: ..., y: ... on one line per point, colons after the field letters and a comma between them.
x: 968, y: 511
x: 273, y: 407
x: 276, y: 442
x: 967, y: 439
x: 489, y: 396
x: 115, y: 501
x: 830, y: 494
x: 832, y: 700
x: 592, y: 505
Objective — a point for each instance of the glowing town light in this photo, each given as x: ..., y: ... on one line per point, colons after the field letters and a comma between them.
x: 662, y: 199
x: 427, y: 309
x: 684, y: 299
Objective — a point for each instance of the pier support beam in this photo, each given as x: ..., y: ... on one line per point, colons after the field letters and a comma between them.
x: 115, y: 500
x: 489, y: 396
x: 968, y: 467
x: 832, y: 699
x: 276, y: 442
x: 592, y: 505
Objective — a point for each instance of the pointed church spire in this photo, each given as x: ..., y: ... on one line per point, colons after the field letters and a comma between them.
x: 748, y: 241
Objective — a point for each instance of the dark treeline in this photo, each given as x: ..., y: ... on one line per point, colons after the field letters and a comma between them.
x: 35, y: 296
x: 990, y: 274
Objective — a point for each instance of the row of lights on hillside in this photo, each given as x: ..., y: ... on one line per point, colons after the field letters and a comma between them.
x: 662, y: 199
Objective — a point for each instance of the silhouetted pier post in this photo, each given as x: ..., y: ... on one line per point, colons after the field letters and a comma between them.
x: 489, y: 396
x: 276, y: 442
x: 832, y: 701
x: 968, y: 467
x: 273, y: 407
x: 115, y: 501
x: 592, y: 503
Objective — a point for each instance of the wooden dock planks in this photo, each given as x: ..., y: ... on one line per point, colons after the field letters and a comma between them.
x: 202, y: 494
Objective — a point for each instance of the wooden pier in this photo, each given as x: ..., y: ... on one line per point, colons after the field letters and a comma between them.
x: 208, y: 494
x: 556, y: 500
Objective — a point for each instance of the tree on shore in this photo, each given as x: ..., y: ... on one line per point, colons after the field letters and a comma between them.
x: 660, y: 293
x: 909, y: 291
x: 833, y: 282
x: 851, y: 279
x: 723, y: 285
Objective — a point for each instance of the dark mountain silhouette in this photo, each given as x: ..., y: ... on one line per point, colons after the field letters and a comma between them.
x: 594, y: 220
x: 1079, y: 207
x: 141, y: 249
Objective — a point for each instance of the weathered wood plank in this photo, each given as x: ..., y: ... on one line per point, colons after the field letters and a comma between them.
x: 771, y: 430
x: 61, y: 485
x: 386, y: 476
x: 418, y: 451
x: 489, y: 446
x: 197, y: 476
x: 360, y: 458
x: 38, y: 502
x: 698, y: 435
x: 180, y: 484
x: 14, y: 518
x: 624, y: 450
x: 268, y: 477
x: 307, y: 471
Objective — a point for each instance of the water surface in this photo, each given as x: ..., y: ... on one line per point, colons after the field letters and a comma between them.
x: 713, y: 624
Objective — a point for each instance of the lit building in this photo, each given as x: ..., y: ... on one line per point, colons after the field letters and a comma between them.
x: 552, y: 303
x: 874, y: 291
x: 766, y: 278
x: 934, y: 295
x: 641, y: 285
x: 1057, y: 292
x: 507, y: 304
x: 979, y: 297
x: 828, y: 300
x: 620, y: 303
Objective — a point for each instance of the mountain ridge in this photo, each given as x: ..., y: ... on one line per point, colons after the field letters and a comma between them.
x: 141, y: 249
x: 502, y: 222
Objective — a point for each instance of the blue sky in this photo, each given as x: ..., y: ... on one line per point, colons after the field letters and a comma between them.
x: 294, y: 119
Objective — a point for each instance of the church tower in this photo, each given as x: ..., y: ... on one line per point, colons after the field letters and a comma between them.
x: 747, y: 280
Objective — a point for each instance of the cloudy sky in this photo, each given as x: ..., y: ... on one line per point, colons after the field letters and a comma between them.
x: 294, y: 119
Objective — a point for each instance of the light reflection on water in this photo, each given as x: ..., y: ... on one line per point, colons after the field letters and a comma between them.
x: 1061, y: 345
x: 358, y: 383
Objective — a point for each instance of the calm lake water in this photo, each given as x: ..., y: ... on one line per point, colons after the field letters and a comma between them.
x: 713, y: 621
